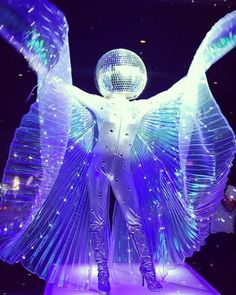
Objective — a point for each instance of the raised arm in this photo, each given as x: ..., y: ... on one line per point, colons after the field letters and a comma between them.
x: 145, y: 106
x: 218, y: 42
x: 90, y: 101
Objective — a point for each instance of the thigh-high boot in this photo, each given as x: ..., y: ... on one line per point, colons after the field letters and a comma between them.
x: 100, y: 249
x: 140, y: 242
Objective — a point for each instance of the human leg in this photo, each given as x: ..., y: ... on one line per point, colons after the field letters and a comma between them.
x: 98, y: 187
x: 126, y: 195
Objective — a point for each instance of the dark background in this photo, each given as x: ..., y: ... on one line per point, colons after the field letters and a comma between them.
x: 173, y: 31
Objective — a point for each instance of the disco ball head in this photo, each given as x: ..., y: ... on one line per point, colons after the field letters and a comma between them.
x: 120, y: 72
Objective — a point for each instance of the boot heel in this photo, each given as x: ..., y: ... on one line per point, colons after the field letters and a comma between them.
x: 142, y: 275
x: 143, y: 285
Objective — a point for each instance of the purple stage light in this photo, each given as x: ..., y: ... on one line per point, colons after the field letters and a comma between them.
x: 181, y: 280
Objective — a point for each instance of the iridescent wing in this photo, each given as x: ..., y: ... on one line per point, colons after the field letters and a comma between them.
x: 182, y: 154
x: 44, y: 206
x: 56, y: 244
x: 38, y: 30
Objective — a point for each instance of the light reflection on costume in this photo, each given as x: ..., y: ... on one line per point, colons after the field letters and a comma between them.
x: 166, y: 158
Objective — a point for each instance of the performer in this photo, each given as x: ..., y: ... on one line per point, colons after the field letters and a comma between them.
x: 166, y: 158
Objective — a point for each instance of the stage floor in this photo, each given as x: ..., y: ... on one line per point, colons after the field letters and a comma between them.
x: 181, y: 280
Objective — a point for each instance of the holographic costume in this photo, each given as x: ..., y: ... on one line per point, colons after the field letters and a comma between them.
x: 166, y: 159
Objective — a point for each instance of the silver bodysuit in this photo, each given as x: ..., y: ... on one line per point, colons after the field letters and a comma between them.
x: 117, y: 121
